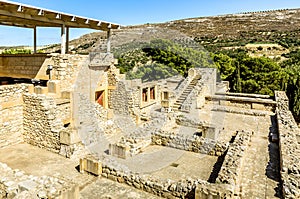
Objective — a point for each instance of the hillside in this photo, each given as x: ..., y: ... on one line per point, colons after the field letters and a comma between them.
x: 278, y: 26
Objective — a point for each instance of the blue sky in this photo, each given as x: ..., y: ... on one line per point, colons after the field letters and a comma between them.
x: 130, y: 12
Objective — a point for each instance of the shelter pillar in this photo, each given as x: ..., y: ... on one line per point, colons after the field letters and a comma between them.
x: 34, y: 40
x: 108, y: 40
x: 63, y: 39
x: 67, y: 39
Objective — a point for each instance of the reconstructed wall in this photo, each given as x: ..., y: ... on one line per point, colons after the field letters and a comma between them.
x: 289, y: 143
x: 11, y: 108
x: 66, y: 68
x: 42, y: 126
x: 24, y: 66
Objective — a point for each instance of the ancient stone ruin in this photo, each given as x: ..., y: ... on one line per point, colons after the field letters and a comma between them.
x: 175, y: 138
x: 72, y: 126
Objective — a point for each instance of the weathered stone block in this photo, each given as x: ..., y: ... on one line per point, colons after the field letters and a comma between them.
x: 66, y: 95
x: 30, y: 88
x: 258, y: 106
x: 40, y: 90
x: 54, y: 87
x: 90, y: 165
x: 68, y: 137
x: 118, y: 150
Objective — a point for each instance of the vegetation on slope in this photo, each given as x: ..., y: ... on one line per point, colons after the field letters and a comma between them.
x: 162, y: 58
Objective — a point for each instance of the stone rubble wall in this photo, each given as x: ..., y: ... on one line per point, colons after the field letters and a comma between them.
x: 11, y: 108
x: 42, y: 126
x: 183, y: 120
x: 66, y: 69
x: 162, y: 187
x: 196, y: 144
x: 289, y: 147
x: 16, y: 184
x: 166, y: 188
x: 120, y: 98
x: 233, y: 160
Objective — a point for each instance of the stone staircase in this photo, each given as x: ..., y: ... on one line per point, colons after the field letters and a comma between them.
x: 177, y: 105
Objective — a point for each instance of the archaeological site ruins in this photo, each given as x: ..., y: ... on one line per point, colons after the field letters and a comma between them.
x: 72, y: 126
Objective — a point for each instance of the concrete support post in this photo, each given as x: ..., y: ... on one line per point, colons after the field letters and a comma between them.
x: 63, y: 40
x: 108, y: 41
x: 67, y: 39
x: 34, y: 40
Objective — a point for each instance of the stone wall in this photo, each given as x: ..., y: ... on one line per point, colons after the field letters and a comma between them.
x: 16, y: 184
x: 120, y: 98
x: 11, y: 108
x: 243, y: 101
x: 196, y: 144
x: 233, y: 159
x: 166, y: 188
x: 66, y: 69
x: 24, y: 66
x: 289, y: 143
x: 42, y: 126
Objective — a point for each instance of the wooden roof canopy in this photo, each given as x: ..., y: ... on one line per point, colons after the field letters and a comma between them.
x: 21, y: 15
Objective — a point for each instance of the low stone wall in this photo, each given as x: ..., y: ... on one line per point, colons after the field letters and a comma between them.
x: 16, y: 184
x: 166, y: 188
x: 128, y: 147
x: 196, y: 144
x: 11, y: 108
x: 289, y: 147
x: 42, y: 126
x: 241, y: 101
x: 233, y: 159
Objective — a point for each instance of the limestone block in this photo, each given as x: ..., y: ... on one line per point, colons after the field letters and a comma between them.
x: 118, y: 150
x: 30, y: 88
x: 41, y: 90
x: 68, y: 137
x: 211, y: 133
x: 66, y: 95
x: 27, y: 185
x: 90, y: 165
x: 54, y: 87
x: 258, y: 106
x: 224, y: 103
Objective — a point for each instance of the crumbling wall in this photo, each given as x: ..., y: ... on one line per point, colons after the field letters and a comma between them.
x: 289, y: 145
x: 166, y: 188
x: 42, y: 126
x: 16, y: 184
x: 11, y: 108
x: 233, y: 159
x: 196, y: 144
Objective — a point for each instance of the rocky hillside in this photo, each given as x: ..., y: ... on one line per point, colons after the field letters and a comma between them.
x: 278, y: 26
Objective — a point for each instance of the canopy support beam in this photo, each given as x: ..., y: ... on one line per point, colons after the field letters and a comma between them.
x: 34, y: 40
